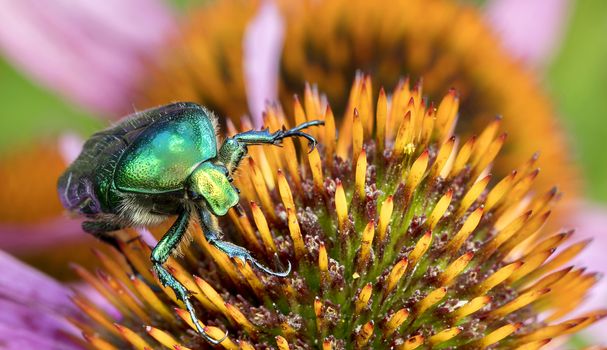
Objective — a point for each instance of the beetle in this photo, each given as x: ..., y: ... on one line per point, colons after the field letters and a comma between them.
x: 158, y: 163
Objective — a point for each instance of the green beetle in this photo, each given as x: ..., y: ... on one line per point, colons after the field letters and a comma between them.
x: 161, y: 162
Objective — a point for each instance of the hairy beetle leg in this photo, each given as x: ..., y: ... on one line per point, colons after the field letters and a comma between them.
x: 183, y: 294
x: 160, y: 254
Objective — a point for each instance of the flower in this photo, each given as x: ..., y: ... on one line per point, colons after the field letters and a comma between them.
x: 396, y: 237
x: 443, y: 41
x: 99, y: 103
x: 211, y: 65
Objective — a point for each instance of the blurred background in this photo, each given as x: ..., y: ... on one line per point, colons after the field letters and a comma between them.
x: 60, y: 86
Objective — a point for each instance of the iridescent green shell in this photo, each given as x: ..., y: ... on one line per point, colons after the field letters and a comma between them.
x: 164, y: 155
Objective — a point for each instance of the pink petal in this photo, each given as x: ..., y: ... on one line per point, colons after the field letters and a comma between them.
x: 147, y: 236
x: 263, y: 43
x: 70, y: 146
x: 37, y: 321
x: 92, y: 295
x: 89, y: 51
x: 24, y: 285
x: 530, y: 29
x: 22, y: 339
x: 21, y: 238
x: 591, y: 222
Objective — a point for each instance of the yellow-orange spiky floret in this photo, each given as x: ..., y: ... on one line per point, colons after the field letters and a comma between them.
x: 325, y: 44
x: 389, y: 249
x: 445, y: 42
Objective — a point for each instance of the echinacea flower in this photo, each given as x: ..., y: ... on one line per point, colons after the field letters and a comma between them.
x: 211, y: 63
x: 398, y: 235
x: 449, y: 44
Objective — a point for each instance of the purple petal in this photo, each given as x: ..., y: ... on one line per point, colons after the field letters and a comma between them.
x: 12, y: 338
x: 22, y: 284
x: 263, y: 43
x: 591, y: 222
x: 18, y: 238
x: 96, y: 299
x: 33, y: 307
x: 89, y: 51
x: 32, y: 319
x: 530, y: 29
x: 70, y: 146
x: 147, y: 236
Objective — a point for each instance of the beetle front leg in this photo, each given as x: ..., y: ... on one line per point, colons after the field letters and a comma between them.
x: 160, y: 255
x: 254, y: 137
x: 234, y: 148
x: 211, y: 233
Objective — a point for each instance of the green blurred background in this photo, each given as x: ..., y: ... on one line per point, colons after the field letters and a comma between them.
x: 577, y: 78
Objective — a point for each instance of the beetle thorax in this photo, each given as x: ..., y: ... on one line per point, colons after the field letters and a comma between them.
x: 134, y: 211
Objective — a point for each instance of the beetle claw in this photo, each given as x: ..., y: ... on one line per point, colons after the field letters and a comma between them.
x: 237, y: 252
x: 271, y: 272
x: 296, y: 131
x: 218, y: 341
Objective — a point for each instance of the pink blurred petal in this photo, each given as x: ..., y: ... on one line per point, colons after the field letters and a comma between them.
x: 89, y: 51
x: 263, y: 43
x: 22, y: 339
x: 39, y: 322
x: 147, y: 236
x: 591, y: 222
x: 97, y: 299
x: 70, y: 146
x: 23, y: 238
x: 34, y: 307
x: 530, y: 29
x: 22, y: 284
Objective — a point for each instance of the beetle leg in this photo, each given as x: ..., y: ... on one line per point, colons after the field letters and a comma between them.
x: 296, y: 131
x: 211, y: 233
x: 253, y: 137
x: 160, y: 255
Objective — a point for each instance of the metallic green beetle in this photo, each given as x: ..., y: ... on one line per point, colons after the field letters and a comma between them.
x: 161, y: 162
